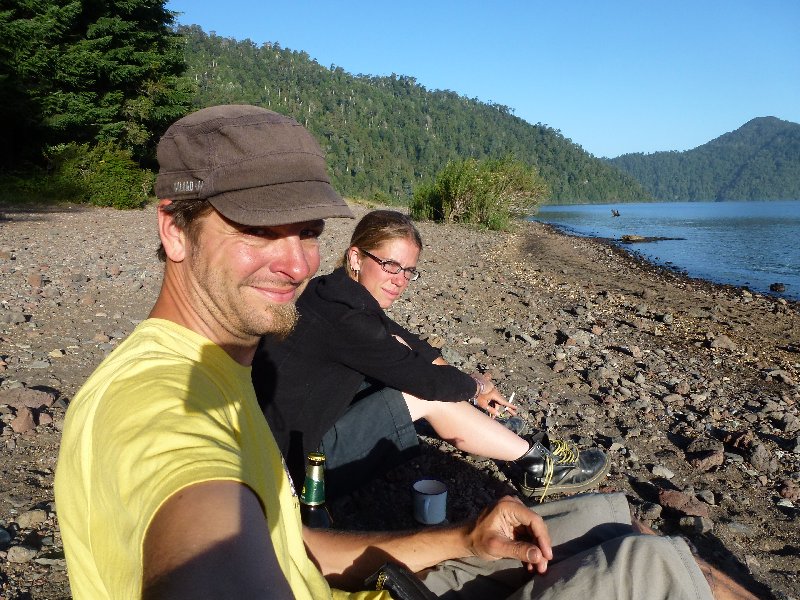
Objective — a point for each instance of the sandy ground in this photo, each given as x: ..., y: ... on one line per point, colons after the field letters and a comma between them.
x: 691, y: 388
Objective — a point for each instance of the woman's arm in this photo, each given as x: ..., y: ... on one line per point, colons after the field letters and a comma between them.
x: 365, y: 343
x: 486, y: 396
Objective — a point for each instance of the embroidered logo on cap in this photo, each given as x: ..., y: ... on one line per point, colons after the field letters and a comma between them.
x: 187, y: 186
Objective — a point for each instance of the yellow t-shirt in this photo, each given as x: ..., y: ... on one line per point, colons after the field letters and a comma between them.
x: 165, y: 410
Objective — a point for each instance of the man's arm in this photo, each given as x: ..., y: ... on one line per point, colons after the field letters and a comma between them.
x: 211, y: 540
x: 508, y: 530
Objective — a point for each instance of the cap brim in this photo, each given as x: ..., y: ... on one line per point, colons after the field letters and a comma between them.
x: 281, y: 204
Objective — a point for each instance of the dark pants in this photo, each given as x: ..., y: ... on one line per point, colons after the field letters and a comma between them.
x: 374, y: 435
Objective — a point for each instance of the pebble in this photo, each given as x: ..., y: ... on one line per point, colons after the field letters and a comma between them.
x: 20, y: 554
x: 5, y: 538
x: 698, y: 525
x: 789, y: 490
x: 763, y: 460
x: 722, y: 342
x: 682, y: 502
x: 31, y: 518
x: 740, y: 529
x: 650, y: 511
x: 662, y: 471
x: 707, y: 496
x: 24, y: 421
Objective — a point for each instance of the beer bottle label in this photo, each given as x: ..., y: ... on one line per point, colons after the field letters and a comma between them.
x: 313, y: 492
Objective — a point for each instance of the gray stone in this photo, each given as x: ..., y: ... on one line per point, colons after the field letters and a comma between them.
x: 651, y: 511
x: 722, y: 342
x: 662, y: 471
x: 5, y: 538
x: 707, y: 496
x: 13, y: 317
x: 780, y: 375
x: 696, y: 524
x: 20, y: 554
x: 740, y: 529
x: 762, y: 460
x: 31, y: 518
x: 789, y: 423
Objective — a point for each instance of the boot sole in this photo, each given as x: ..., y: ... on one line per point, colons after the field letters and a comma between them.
x: 569, y: 488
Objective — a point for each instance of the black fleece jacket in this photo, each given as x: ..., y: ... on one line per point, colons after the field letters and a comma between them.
x: 305, y: 382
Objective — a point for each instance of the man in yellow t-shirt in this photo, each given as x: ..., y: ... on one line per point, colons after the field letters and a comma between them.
x: 169, y: 483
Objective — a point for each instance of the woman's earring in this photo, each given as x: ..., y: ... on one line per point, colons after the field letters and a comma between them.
x: 356, y: 271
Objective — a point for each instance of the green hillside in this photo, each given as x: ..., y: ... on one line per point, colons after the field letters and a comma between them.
x: 384, y: 135
x: 758, y: 161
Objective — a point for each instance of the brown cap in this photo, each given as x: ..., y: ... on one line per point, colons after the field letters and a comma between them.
x: 255, y: 166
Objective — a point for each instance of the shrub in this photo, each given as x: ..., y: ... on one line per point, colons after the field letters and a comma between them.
x: 489, y: 192
x: 35, y: 186
x: 104, y: 175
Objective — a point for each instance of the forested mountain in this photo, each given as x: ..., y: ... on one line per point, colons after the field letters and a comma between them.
x: 758, y: 161
x: 383, y: 135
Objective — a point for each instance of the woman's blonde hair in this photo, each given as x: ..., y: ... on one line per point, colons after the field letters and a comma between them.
x: 377, y: 227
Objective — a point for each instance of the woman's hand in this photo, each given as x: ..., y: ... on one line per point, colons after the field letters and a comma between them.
x: 489, y: 399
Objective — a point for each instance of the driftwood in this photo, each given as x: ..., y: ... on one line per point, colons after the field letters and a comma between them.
x: 636, y: 239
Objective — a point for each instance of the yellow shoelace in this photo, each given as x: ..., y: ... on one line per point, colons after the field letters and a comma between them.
x: 564, y: 452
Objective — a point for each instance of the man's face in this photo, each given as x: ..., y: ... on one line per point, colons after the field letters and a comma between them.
x: 246, y: 279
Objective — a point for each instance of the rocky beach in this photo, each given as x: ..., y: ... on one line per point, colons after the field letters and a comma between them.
x: 693, y: 389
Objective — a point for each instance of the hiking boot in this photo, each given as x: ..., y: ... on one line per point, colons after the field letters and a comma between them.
x: 514, y: 423
x: 553, y: 466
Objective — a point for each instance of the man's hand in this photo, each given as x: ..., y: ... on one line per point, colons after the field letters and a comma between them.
x: 511, y: 530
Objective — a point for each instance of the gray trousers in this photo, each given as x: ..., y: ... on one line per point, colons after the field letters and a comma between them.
x: 374, y: 435
x: 596, y: 555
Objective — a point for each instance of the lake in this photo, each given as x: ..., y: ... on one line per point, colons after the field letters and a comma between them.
x: 749, y: 244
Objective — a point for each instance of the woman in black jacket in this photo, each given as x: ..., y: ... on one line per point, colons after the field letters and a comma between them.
x: 351, y: 382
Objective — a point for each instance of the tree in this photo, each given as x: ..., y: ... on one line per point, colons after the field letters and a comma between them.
x: 89, y: 71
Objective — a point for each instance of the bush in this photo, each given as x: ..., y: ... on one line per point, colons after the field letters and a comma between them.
x: 103, y: 175
x: 488, y: 192
x: 34, y: 186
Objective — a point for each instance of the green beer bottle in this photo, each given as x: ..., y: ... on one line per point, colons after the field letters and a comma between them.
x: 313, y: 510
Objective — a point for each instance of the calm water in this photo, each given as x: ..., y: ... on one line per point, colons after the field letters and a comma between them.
x: 752, y: 244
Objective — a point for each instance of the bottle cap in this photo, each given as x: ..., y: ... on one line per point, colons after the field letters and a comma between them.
x: 316, y: 458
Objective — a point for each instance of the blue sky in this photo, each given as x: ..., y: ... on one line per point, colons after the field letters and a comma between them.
x: 613, y: 76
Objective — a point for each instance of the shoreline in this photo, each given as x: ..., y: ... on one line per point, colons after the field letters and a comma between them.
x: 673, y: 269
x: 691, y: 387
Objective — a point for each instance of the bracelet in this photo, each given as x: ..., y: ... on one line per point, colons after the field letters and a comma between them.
x: 479, y: 391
